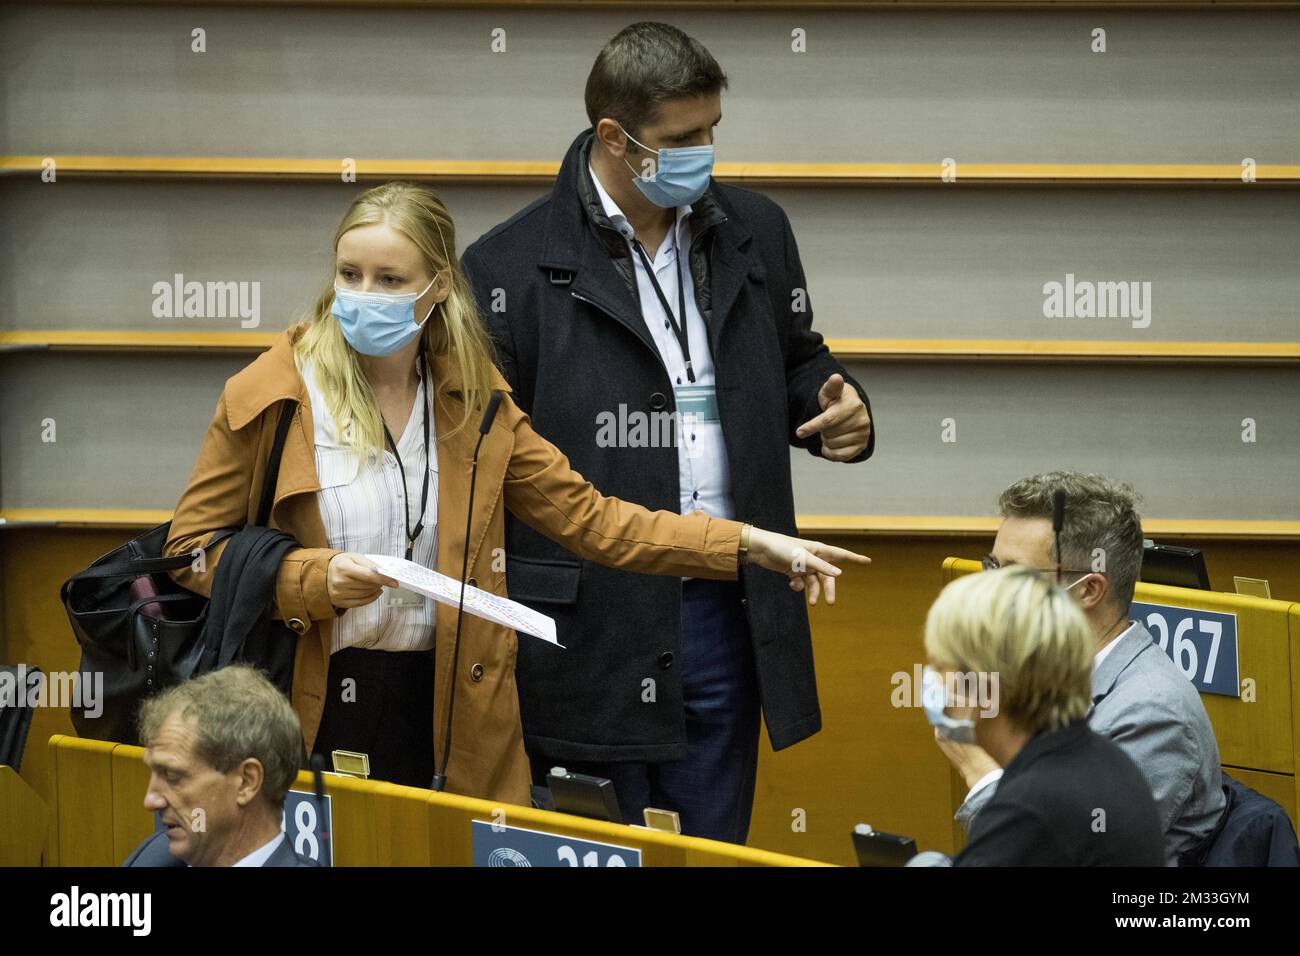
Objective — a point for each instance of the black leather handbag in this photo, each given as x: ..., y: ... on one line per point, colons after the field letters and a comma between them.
x: 137, y: 627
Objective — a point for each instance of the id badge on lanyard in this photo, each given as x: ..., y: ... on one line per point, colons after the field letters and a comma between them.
x: 698, y: 403
x: 403, y: 597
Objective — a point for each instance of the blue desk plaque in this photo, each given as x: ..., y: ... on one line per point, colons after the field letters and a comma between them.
x: 501, y: 845
x: 302, y: 825
x: 1202, y: 644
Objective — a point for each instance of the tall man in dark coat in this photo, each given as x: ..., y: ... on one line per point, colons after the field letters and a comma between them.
x: 676, y: 395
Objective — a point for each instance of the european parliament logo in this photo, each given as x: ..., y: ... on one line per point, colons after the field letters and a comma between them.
x: 501, y: 845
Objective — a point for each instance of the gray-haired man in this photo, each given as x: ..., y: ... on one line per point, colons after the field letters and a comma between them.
x: 222, y: 750
x: 1140, y: 699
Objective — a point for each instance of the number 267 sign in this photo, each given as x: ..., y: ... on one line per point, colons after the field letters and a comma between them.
x: 1202, y: 644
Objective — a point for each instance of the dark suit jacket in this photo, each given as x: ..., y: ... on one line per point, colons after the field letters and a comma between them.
x: 1069, y: 798
x: 556, y: 285
x: 155, y: 852
x: 1255, y: 831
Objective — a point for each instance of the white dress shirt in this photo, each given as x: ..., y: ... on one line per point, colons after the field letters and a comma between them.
x: 1101, y: 654
x: 365, y: 510
x: 994, y: 775
x: 263, y: 853
x: 702, y: 466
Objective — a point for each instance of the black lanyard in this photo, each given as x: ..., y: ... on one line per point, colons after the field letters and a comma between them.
x: 424, y: 495
x: 683, y: 339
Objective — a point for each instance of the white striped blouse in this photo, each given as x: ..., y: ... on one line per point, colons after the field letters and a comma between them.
x: 362, y: 504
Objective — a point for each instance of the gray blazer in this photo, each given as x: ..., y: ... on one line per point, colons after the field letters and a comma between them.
x: 1142, y: 702
x: 156, y: 852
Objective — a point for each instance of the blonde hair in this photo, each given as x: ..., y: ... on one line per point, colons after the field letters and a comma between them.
x: 454, y: 327
x: 1016, y: 623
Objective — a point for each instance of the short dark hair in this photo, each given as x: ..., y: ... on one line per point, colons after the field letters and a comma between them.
x: 1100, y: 514
x: 644, y: 65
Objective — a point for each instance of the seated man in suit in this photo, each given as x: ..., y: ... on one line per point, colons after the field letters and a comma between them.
x: 222, y: 750
x: 1010, y: 661
x: 1140, y: 699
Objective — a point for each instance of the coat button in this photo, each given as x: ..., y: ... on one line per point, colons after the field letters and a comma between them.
x: 658, y: 400
x: 297, y: 626
x: 666, y: 660
x: 476, y: 673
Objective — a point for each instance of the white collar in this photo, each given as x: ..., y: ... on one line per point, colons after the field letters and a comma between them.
x: 327, y: 432
x: 1101, y: 654
x: 616, y: 215
x: 259, y: 856
x: 263, y: 853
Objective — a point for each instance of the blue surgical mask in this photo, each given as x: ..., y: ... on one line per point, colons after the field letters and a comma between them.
x: 379, y: 323
x: 933, y: 700
x: 681, y: 174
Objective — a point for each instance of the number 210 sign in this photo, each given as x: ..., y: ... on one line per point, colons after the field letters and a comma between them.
x: 1202, y: 644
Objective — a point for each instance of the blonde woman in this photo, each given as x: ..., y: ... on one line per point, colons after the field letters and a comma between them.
x: 392, y: 372
x: 1010, y: 669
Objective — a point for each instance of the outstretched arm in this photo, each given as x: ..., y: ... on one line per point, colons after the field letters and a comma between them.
x: 546, y: 493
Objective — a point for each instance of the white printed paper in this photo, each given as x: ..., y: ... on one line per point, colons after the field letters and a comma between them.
x: 478, y: 602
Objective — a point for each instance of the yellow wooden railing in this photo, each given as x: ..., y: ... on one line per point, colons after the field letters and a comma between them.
x: 524, y: 172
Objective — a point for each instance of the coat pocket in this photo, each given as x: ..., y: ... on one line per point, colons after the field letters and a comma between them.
x: 542, y: 581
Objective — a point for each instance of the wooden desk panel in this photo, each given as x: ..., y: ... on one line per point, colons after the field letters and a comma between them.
x: 375, y: 824
x: 26, y: 821
x: 871, y: 762
x: 132, y: 823
x: 83, y: 785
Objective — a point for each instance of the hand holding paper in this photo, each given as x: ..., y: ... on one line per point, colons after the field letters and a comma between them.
x: 478, y: 602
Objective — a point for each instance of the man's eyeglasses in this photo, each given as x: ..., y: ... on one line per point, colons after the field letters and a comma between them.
x: 990, y: 563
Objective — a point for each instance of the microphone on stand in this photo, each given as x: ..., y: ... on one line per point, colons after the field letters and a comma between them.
x: 318, y: 777
x: 1058, y: 522
x: 440, y: 769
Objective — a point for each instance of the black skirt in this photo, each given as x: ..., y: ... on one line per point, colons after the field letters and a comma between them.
x: 385, y: 712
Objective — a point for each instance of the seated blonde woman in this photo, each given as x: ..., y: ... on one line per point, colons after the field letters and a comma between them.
x: 1010, y: 669
x: 392, y: 372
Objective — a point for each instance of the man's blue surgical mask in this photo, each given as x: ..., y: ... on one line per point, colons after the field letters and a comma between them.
x: 379, y: 323
x: 681, y: 174
x: 933, y: 700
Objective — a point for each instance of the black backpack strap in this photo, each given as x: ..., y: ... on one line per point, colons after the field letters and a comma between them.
x: 273, y: 464
x: 131, y: 569
x: 221, y: 534
x: 135, y: 567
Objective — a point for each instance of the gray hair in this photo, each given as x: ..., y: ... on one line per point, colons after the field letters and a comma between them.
x: 644, y: 65
x: 1101, y: 520
x: 238, y: 714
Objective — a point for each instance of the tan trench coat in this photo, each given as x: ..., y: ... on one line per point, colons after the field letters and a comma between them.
x: 517, y: 468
